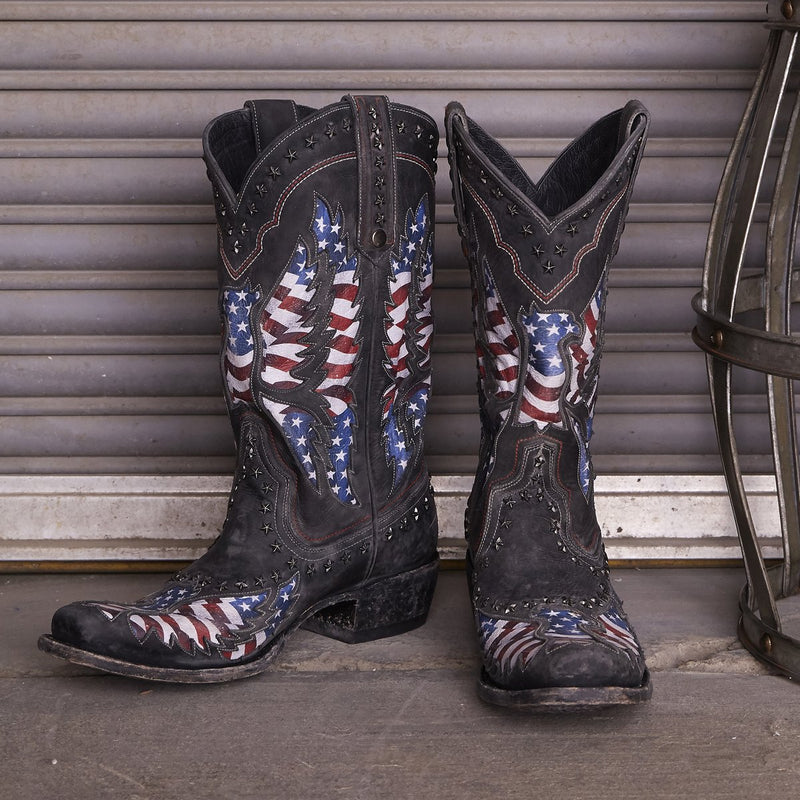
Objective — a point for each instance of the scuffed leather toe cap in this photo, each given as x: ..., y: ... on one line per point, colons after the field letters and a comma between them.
x: 528, y: 655
x: 84, y: 626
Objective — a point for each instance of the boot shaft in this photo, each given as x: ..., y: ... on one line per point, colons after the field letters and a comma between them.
x: 539, y: 255
x: 325, y: 228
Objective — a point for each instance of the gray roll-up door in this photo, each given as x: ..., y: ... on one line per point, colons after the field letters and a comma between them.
x: 108, y: 321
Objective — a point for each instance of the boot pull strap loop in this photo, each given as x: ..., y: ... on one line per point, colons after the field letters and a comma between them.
x: 455, y: 115
x: 634, y: 116
x: 376, y: 171
x: 269, y: 118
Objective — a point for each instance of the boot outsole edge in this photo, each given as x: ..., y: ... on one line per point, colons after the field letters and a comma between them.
x: 568, y: 698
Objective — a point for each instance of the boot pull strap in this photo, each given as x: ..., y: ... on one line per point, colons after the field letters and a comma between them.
x: 455, y: 115
x: 634, y: 116
x: 377, y: 171
x: 269, y: 118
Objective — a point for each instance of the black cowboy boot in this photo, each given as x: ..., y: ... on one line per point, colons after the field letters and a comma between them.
x: 550, y: 625
x: 325, y: 223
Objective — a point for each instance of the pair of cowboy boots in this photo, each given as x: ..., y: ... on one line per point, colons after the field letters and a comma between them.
x: 326, y: 224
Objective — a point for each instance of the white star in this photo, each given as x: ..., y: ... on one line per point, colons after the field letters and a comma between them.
x: 564, y: 317
x: 414, y: 228
x: 412, y: 246
x: 346, y: 423
x: 553, y: 330
x: 331, y: 475
x: 403, y: 463
x: 555, y: 361
x: 285, y: 596
x: 413, y: 407
x: 296, y: 422
x: 321, y: 223
x: 307, y: 458
x: 340, y: 456
x: 538, y: 347
x: 336, y: 228
x: 323, y: 243
x: 301, y: 440
x: 338, y: 247
x: 543, y: 317
x: 336, y: 441
x: 233, y: 308
x: 241, y: 327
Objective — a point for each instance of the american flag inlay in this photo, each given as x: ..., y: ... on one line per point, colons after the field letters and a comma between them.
x: 290, y: 317
x: 239, y: 341
x: 398, y: 436
x: 583, y: 384
x: 501, y: 339
x: 342, y: 347
x: 236, y: 625
x: 509, y: 643
x: 546, y: 371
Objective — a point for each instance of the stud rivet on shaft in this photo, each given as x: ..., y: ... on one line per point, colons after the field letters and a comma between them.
x: 766, y: 643
x: 787, y: 9
x: 378, y: 237
x: 717, y: 338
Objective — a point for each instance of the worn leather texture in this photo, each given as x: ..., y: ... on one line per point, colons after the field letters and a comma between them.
x: 539, y: 252
x: 325, y: 230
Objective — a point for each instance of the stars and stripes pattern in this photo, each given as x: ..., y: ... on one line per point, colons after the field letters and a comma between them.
x: 239, y: 346
x: 235, y: 625
x: 424, y: 327
x: 511, y: 643
x: 508, y: 643
x: 286, y: 321
x: 342, y: 346
x: 290, y: 323
x: 583, y: 384
x: 413, y: 252
x: 502, y: 342
x: 546, y: 371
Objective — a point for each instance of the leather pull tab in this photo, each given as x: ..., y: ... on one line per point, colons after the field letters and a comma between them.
x: 377, y: 171
x: 634, y: 117
x: 269, y: 118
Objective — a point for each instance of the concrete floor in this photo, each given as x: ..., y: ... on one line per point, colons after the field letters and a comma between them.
x: 398, y: 718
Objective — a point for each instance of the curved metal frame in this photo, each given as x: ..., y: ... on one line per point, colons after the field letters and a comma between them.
x: 726, y: 294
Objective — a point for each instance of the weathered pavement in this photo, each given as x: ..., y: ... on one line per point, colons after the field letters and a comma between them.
x: 397, y: 718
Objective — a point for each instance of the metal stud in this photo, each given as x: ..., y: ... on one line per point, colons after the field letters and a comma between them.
x: 328, y: 565
x: 276, y: 576
x: 291, y: 563
x: 560, y: 250
x: 276, y: 546
x: 548, y: 267
x: 311, y: 141
x: 526, y: 230
x: 275, y: 172
x: 291, y: 155
x: 330, y: 130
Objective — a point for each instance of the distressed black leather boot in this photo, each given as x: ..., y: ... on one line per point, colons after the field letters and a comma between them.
x: 551, y: 628
x: 325, y: 221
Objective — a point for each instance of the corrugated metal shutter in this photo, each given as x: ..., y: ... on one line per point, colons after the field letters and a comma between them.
x: 108, y: 325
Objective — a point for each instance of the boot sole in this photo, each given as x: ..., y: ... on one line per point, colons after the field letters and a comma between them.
x: 567, y: 698
x: 384, y: 607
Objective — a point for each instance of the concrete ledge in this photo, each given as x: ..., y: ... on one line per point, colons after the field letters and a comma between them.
x: 155, y: 518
